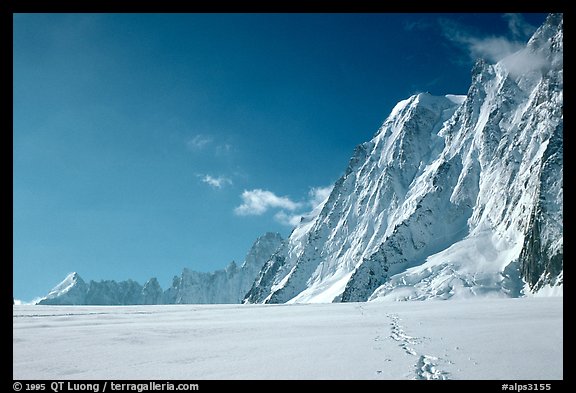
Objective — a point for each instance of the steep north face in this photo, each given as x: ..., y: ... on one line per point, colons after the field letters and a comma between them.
x: 454, y: 196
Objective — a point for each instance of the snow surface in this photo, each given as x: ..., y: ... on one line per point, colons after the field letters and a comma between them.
x: 509, y: 339
x: 65, y: 285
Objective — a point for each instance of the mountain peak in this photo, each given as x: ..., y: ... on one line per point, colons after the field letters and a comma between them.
x: 442, y: 200
x: 454, y: 196
x: 67, y: 284
x: 71, y: 290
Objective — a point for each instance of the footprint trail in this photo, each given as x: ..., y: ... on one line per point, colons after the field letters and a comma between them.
x: 426, y: 366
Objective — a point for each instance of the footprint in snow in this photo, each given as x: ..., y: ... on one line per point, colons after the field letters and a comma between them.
x: 426, y: 368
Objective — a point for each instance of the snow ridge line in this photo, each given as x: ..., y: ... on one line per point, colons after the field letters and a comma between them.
x: 426, y: 365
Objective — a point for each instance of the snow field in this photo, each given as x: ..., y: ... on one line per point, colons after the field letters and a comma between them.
x: 459, y: 339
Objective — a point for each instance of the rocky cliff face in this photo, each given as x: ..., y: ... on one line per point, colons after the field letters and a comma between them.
x: 541, y: 258
x: 454, y: 196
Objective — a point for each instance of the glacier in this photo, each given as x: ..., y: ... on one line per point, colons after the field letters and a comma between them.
x: 455, y: 196
x: 478, y: 339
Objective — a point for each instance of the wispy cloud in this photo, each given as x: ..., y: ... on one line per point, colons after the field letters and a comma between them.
x: 289, y: 212
x: 318, y: 195
x: 257, y: 202
x: 525, y: 61
x: 216, y: 182
x: 290, y: 220
x: 491, y: 48
x: 204, y: 142
x: 223, y: 149
x: 418, y: 25
x: 518, y: 26
x: 198, y: 142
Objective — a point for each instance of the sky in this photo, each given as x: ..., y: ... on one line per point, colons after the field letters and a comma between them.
x: 147, y: 143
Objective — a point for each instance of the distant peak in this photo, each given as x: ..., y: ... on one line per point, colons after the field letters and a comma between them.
x: 271, y: 235
x: 74, y: 276
x: 554, y: 19
x: 437, y: 103
x: 424, y: 95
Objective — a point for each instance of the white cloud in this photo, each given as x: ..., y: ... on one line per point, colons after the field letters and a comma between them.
x: 216, y: 182
x: 290, y: 220
x: 318, y: 195
x: 511, y: 52
x: 203, y: 142
x: 18, y: 302
x: 257, y: 202
x: 493, y: 48
x: 198, y: 142
x: 525, y: 61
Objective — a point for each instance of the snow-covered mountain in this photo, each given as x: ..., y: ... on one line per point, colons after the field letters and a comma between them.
x: 73, y: 290
x: 229, y: 285
x: 454, y: 196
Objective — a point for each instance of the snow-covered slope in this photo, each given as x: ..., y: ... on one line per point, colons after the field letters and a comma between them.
x: 484, y: 339
x: 72, y: 290
x: 455, y: 196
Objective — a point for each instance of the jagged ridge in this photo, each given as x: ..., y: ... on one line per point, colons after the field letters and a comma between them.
x: 229, y: 285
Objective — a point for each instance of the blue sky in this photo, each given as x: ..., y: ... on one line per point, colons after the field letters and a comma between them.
x: 146, y: 143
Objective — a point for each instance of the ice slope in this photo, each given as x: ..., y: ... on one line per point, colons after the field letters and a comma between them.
x: 454, y: 196
x: 472, y: 339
